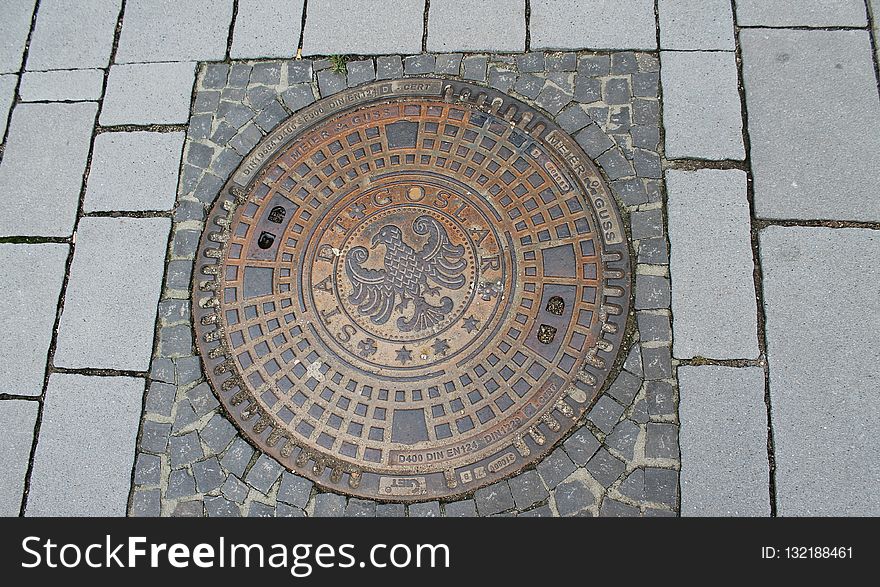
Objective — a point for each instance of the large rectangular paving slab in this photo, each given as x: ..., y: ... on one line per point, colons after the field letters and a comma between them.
x: 17, y: 420
x: 72, y: 34
x: 713, y: 289
x: 42, y: 170
x: 347, y: 26
x: 266, y: 28
x: 85, y: 451
x: 592, y: 24
x: 29, y: 291
x: 814, y: 123
x: 169, y: 30
x: 464, y: 25
x: 14, y: 28
x: 723, y: 439
x: 148, y: 93
x: 110, y: 305
x: 696, y: 25
x: 134, y: 171
x: 822, y: 301
x: 816, y: 13
x: 62, y: 85
x: 702, y: 113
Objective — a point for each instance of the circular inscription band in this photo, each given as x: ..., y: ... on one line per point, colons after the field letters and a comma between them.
x: 411, y: 289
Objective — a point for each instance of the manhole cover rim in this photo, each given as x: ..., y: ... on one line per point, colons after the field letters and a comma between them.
x: 257, y: 427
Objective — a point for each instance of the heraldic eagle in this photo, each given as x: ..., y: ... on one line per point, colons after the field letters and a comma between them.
x: 408, y: 275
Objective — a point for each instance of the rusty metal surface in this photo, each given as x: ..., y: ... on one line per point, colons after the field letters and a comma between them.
x: 411, y: 290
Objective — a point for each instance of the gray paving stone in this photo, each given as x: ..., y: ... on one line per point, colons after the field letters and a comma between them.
x: 573, y: 118
x: 623, y: 439
x: 652, y: 291
x: 184, y: 449
x: 430, y: 509
x: 100, y: 328
x: 493, y: 499
x: 166, y: 30
x: 189, y: 509
x: 605, y: 468
x: 101, y: 415
x: 657, y: 362
x: 65, y: 85
x: 263, y: 474
x: 527, y: 489
x: 154, y: 436
x: 134, y: 171
x: 388, y: 67
x: 542, y: 511
x: 266, y: 28
x: 605, y: 413
x: 616, y: 509
x: 529, y: 85
x: 466, y: 508
x: 557, y: 466
x: 340, y: 27
x: 147, y: 469
x: 282, y: 510
x: 474, y: 68
x: 360, y: 508
x: 237, y: 456
x: 696, y: 25
x: 220, y: 507
x: 661, y: 441
x: 501, y: 80
x: 615, y: 164
x: 660, y: 398
x: 661, y: 486
x: 390, y: 510
x: 801, y: 13
x: 175, y: 340
x: 234, y: 489
x: 626, y: 386
x: 329, y: 505
x: 461, y: 25
x: 579, y: 24
x: 298, y: 96
x: 573, y: 497
x: 148, y: 93
x: 180, y: 484
x: 41, y: 137
x: 633, y: 486
x: 146, y: 503
x: 552, y: 99
x: 448, y: 63
x: 593, y: 140
x: 418, y: 64
x: 646, y: 224
x: 70, y: 34
x: 209, y: 476
x: 29, y: 291
x: 724, y: 469
x: 702, y: 113
x: 259, y: 509
x: 825, y: 407
x: 360, y: 72
x: 561, y: 61
x: 294, y: 490
x: 654, y: 327
x: 803, y: 89
x: 579, y: 447
x: 718, y: 322
x: 14, y: 28
x: 330, y: 82
x: 17, y: 420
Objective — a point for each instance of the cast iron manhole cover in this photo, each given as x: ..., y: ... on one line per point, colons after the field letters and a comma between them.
x: 411, y: 289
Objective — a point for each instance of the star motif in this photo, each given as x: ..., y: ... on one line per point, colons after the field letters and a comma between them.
x: 471, y: 324
x: 356, y: 211
x: 441, y: 345
x: 404, y: 355
x: 367, y: 347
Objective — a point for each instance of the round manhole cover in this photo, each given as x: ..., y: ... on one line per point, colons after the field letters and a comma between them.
x: 411, y: 289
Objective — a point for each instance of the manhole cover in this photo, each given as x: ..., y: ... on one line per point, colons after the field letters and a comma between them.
x: 411, y: 289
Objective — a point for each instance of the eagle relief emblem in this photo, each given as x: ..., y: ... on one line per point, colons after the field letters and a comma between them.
x: 408, y: 276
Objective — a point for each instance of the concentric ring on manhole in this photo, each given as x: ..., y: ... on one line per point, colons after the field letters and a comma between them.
x: 411, y: 289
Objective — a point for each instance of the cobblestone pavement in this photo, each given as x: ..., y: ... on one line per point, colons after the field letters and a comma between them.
x: 741, y: 140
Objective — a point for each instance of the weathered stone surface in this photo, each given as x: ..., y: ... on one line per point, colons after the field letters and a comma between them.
x: 823, y: 392
x: 265, y: 28
x: 340, y: 27
x: 134, y: 171
x: 575, y: 24
x: 64, y: 85
x: 724, y: 468
x: 461, y: 25
x: 167, y: 30
x: 815, y: 13
x: 100, y: 415
x: 148, y: 93
x: 14, y: 28
x: 713, y: 290
x: 812, y: 157
x: 17, y: 420
x: 70, y: 34
x: 29, y: 291
x: 696, y: 25
x: 110, y: 303
x: 42, y: 169
x: 702, y: 114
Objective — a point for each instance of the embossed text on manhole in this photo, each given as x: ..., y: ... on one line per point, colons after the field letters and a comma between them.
x: 411, y: 289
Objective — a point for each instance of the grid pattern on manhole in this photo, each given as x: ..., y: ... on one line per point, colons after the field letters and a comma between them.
x: 418, y: 289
